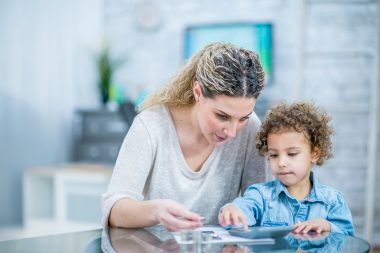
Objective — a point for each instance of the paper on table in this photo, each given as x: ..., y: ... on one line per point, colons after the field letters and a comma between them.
x: 223, y: 237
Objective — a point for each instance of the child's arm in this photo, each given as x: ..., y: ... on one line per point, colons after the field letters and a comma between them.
x: 246, y: 210
x: 340, y: 217
x: 338, y: 220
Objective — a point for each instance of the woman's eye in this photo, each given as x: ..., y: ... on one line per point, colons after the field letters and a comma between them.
x: 272, y: 155
x: 293, y: 154
x: 222, y: 117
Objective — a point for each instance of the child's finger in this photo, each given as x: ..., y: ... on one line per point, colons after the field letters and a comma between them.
x: 244, y: 222
x: 225, y: 218
x: 307, y: 229
x: 297, y: 225
x: 221, y: 219
x: 296, y: 228
x: 235, y: 219
x: 299, y: 228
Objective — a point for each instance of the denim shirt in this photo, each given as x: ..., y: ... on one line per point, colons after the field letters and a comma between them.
x: 270, y: 204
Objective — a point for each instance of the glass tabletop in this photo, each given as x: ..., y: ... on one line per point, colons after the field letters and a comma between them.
x: 157, y: 239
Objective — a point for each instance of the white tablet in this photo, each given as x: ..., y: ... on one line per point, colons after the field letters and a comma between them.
x: 262, y: 232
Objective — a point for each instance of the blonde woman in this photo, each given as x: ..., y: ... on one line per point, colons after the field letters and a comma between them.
x: 191, y: 149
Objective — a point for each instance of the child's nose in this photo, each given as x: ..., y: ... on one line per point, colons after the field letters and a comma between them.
x: 282, y: 161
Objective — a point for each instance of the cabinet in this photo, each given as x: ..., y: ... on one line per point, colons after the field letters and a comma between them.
x: 65, y: 198
x: 98, y: 134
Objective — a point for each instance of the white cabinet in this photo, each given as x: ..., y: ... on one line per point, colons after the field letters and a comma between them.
x: 65, y: 198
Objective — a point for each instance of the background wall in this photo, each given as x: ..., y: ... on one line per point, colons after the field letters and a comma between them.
x: 45, y: 73
x: 324, y: 50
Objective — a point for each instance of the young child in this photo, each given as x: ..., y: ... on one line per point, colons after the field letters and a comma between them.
x: 294, y: 137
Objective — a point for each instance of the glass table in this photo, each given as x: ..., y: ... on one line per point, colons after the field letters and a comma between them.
x: 157, y: 239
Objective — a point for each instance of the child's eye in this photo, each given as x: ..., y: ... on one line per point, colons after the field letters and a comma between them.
x: 273, y: 155
x: 293, y: 154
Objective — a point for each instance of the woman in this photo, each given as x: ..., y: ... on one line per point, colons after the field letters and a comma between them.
x: 191, y: 149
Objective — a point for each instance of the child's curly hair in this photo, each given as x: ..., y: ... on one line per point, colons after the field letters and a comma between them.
x: 303, y: 118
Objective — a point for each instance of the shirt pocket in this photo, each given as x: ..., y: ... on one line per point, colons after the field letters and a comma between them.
x: 271, y: 223
x: 276, y: 214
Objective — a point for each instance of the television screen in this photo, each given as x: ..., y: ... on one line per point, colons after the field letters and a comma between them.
x: 254, y: 36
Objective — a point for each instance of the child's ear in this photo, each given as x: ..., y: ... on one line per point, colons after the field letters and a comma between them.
x: 315, y: 154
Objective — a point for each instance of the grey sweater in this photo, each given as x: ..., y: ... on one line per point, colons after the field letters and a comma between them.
x: 151, y: 165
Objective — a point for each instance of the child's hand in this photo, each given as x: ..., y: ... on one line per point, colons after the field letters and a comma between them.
x: 232, y: 215
x: 317, y: 225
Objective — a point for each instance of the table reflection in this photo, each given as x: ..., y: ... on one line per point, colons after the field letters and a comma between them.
x: 138, y: 241
x: 157, y: 239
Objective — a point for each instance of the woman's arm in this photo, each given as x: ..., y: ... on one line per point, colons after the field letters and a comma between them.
x: 130, y: 173
x: 130, y: 213
x: 123, y: 204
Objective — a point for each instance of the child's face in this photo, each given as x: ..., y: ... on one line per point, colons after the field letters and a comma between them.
x: 291, y: 157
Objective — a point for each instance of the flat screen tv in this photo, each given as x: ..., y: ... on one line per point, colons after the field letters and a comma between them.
x: 254, y: 36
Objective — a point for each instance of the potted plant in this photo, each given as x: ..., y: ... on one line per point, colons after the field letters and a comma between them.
x: 106, y: 68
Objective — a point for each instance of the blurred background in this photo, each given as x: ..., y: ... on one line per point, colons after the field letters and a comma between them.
x: 72, y: 72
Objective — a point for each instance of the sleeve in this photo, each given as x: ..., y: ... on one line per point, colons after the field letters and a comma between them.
x: 340, y: 217
x: 255, y: 165
x: 131, y: 170
x: 252, y: 204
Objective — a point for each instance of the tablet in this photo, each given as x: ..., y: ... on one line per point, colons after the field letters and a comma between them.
x: 262, y: 232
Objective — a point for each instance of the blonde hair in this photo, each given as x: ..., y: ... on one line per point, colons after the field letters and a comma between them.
x: 221, y: 69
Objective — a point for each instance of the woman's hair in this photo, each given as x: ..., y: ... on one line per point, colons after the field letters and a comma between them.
x: 303, y: 118
x: 221, y: 69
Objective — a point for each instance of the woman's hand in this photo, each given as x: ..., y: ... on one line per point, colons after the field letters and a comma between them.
x: 232, y: 215
x: 317, y: 225
x: 175, y: 216
x: 234, y: 249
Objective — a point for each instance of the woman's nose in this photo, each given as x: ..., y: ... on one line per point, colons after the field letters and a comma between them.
x: 231, y: 130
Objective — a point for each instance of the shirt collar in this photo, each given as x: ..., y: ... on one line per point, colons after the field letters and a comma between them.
x: 315, y: 193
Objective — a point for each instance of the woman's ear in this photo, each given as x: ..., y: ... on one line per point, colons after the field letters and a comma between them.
x: 315, y: 154
x: 197, y: 91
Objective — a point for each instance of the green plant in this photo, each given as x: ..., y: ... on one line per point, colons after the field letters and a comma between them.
x: 106, y: 68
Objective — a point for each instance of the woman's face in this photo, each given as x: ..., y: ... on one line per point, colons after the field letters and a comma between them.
x: 222, y: 117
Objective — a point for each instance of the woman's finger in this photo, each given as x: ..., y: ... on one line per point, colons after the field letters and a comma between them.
x: 178, y: 210
x: 175, y: 223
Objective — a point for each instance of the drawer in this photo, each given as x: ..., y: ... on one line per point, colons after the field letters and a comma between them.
x: 96, y: 125
x: 97, y: 152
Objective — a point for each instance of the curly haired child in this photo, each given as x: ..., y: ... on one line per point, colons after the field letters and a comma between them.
x: 294, y: 138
